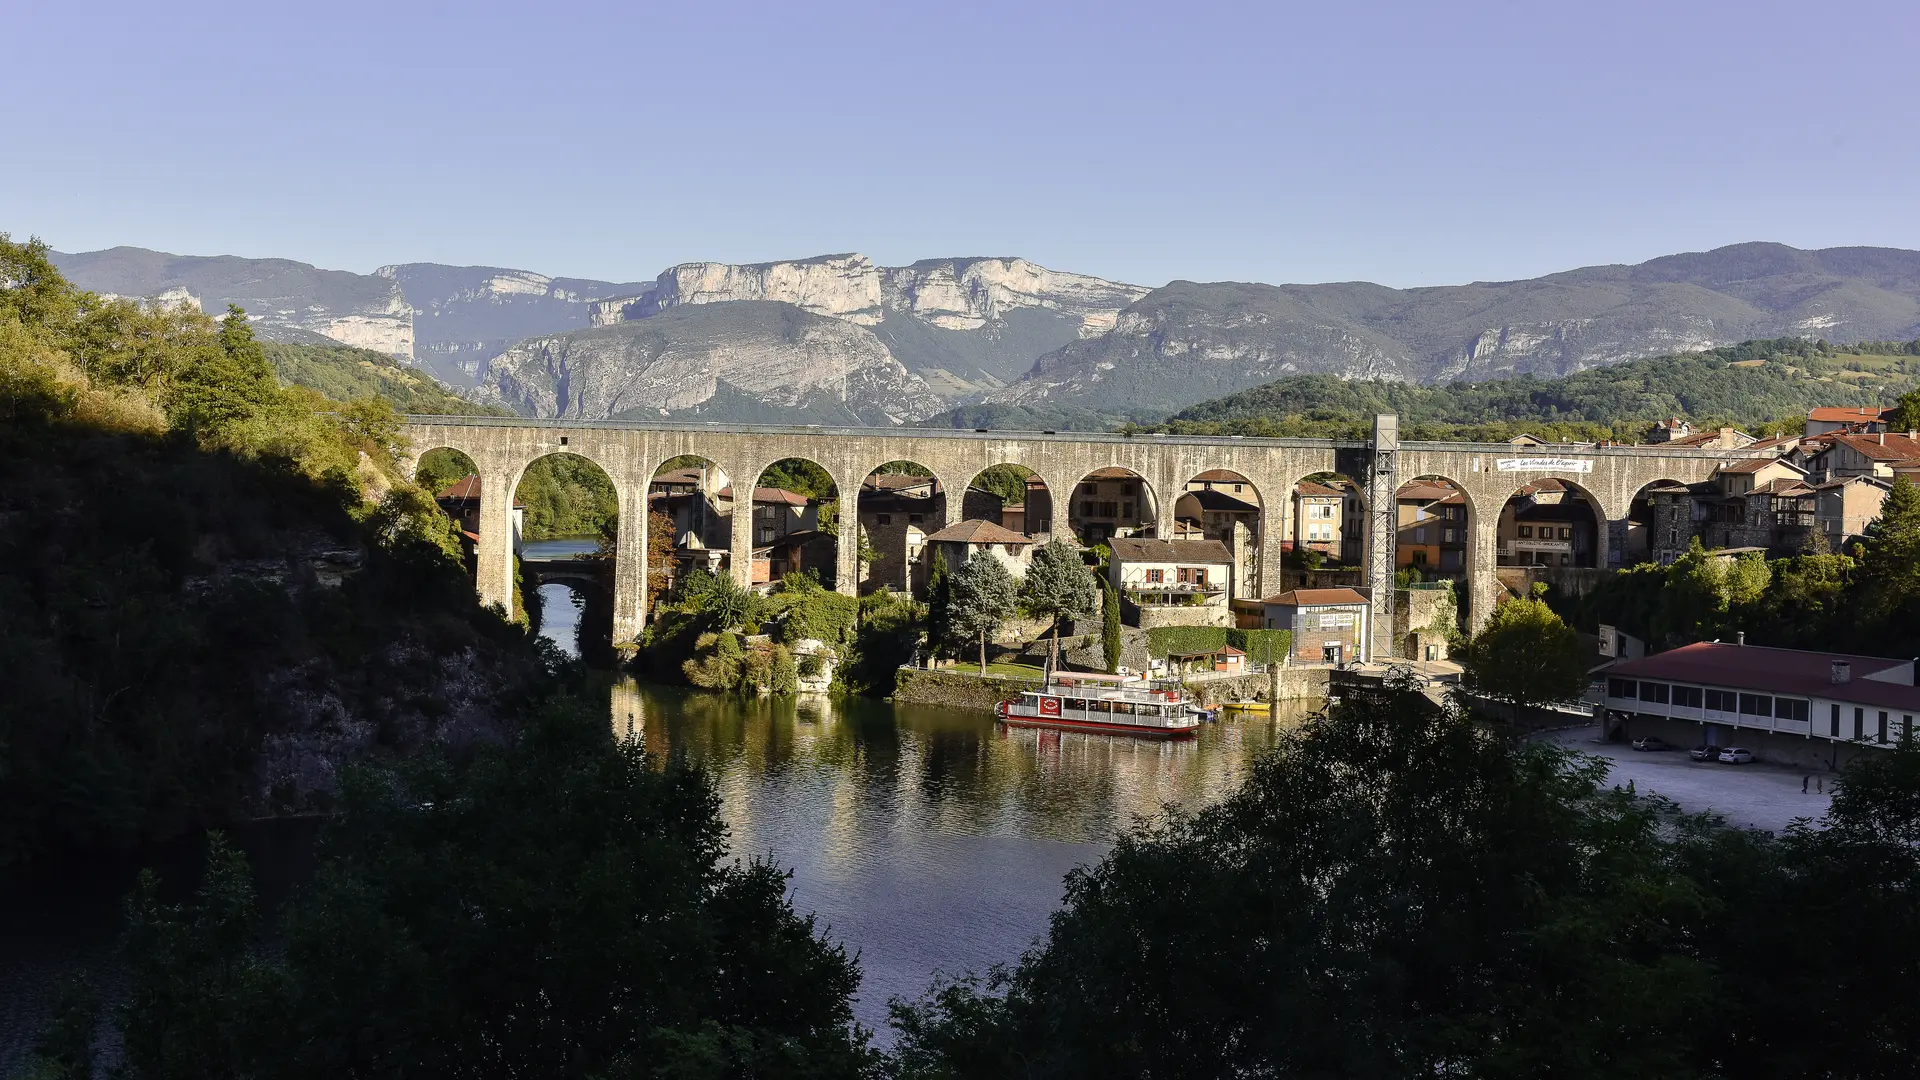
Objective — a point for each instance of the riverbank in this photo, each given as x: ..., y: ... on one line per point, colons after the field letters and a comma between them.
x: 961, y: 689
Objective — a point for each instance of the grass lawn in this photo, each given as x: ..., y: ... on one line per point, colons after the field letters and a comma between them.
x: 1019, y: 671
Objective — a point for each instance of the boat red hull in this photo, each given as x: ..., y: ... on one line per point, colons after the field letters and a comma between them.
x: 1095, y: 725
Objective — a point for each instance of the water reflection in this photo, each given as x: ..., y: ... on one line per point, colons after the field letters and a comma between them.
x: 929, y: 840
x: 560, y: 608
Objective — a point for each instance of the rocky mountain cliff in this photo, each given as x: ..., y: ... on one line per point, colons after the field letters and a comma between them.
x: 967, y: 325
x: 1189, y: 342
x: 287, y: 301
x: 464, y: 316
x: 742, y: 361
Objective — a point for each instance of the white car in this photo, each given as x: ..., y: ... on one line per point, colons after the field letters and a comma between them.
x: 1734, y: 755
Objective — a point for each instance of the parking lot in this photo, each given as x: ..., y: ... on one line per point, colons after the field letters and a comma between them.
x: 1756, y: 795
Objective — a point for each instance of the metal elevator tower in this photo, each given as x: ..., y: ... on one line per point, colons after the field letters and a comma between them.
x: 1383, y: 530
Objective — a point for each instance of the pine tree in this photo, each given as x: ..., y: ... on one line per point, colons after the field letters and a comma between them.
x: 939, y: 598
x: 982, y: 595
x: 1058, y: 586
x: 1110, y: 626
x: 1888, y: 578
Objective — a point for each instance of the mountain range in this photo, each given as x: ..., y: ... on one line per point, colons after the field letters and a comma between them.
x: 838, y: 338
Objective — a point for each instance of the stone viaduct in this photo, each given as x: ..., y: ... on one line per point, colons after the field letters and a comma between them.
x: 631, y: 452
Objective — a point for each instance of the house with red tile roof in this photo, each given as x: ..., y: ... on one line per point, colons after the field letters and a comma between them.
x: 1172, y: 582
x: 1860, y: 418
x: 1789, y: 705
x: 461, y: 501
x: 1878, y: 454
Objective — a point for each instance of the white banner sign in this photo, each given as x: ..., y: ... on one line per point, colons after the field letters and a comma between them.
x: 1544, y: 464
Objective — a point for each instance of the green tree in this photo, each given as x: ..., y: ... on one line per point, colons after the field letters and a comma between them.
x: 1906, y: 412
x: 1110, y: 627
x: 1887, y: 582
x: 1008, y: 481
x: 981, y: 595
x: 939, y: 603
x: 1393, y: 892
x: 1525, y: 655
x: 558, y: 907
x: 232, y: 385
x: 1058, y: 586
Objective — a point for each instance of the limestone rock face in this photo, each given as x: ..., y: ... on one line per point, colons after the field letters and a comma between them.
x: 747, y: 361
x: 285, y: 300
x: 967, y: 294
x: 464, y: 316
x: 841, y: 286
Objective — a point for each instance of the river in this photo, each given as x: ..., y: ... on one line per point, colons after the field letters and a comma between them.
x: 928, y: 841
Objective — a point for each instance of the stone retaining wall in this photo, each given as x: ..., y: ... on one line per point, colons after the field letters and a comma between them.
x: 1296, y: 684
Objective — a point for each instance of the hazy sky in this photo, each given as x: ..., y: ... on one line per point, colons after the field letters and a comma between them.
x: 1407, y: 143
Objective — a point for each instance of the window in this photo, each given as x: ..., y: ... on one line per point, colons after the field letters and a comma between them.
x: 1156, y: 577
x: 914, y: 519
x: 1686, y: 697
x: 1756, y: 705
x: 1420, y: 558
x: 1192, y: 575
x: 1620, y: 688
x: 1654, y: 691
x: 766, y: 536
x: 1720, y: 701
x: 1128, y: 512
x: 1236, y: 489
x: 1526, y: 531
x: 1446, y: 536
x: 1790, y: 709
x: 1833, y: 721
x: 1566, y: 534
x: 883, y: 519
x: 1454, y: 512
x: 1883, y: 727
x: 1859, y: 724
x: 1906, y: 725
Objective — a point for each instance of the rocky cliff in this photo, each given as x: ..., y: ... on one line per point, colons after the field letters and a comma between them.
x: 1189, y: 342
x: 464, y: 316
x: 286, y: 300
x: 965, y: 324
x: 744, y: 360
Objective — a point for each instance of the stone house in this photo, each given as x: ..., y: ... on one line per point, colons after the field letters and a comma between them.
x: 896, y: 514
x: 1032, y: 516
x: 1846, y: 507
x: 1869, y: 419
x: 1330, y: 626
x: 1877, y: 454
x: 1216, y: 506
x: 1432, y: 517
x: 1172, y: 582
x: 1547, y: 523
x: 1766, y: 504
x: 1112, y: 502
x: 955, y: 544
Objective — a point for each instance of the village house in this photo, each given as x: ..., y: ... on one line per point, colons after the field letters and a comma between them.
x: 1319, y: 518
x: 1112, y: 502
x: 1869, y: 419
x: 1846, y: 507
x: 1031, y: 516
x: 1220, y: 505
x: 1329, y: 626
x: 956, y: 544
x: 1433, y: 527
x: 1172, y: 582
x: 461, y: 502
x: 896, y: 513
x: 1547, y: 523
x: 1786, y: 705
x: 1879, y: 454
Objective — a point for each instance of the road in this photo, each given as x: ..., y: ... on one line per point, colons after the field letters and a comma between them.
x: 1758, y: 795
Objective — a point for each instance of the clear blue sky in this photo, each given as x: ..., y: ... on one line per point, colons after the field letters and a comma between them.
x: 1407, y: 143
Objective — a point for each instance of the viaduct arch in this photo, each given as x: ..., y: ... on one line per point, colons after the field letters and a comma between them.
x: 632, y: 451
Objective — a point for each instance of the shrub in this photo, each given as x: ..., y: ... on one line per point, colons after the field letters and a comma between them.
x: 1162, y: 640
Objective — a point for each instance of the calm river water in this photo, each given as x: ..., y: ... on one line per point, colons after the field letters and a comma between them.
x: 926, y: 840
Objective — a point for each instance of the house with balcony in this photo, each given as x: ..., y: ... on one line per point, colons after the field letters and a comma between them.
x: 1547, y: 523
x: 1879, y: 454
x: 1767, y: 504
x: 1788, y: 705
x: 1172, y: 582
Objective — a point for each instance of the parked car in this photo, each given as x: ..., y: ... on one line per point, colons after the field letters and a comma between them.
x: 1651, y: 742
x: 1734, y: 755
x: 1704, y: 753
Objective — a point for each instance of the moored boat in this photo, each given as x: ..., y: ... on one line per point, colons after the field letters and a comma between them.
x: 1114, y: 704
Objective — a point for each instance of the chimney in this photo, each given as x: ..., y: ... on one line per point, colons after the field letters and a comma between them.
x: 1842, y: 672
x: 1740, y: 638
x: 1883, y: 438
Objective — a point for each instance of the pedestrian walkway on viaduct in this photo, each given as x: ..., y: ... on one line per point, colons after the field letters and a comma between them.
x: 632, y: 452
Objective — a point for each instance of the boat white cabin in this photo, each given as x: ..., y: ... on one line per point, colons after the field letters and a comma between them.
x: 1116, y: 704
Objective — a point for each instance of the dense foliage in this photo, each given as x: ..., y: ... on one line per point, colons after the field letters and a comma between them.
x: 342, y: 373
x: 567, y: 495
x: 1866, y: 601
x: 1524, y: 656
x: 980, y: 595
x: 1008, y: 481
x: 1057, y: 586
x: 1748, y: 385
x: 1395, y: 892
x: 562, y: 907
x: 213, y: 591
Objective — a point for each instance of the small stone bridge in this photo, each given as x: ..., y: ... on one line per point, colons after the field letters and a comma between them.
x: 632, y: 452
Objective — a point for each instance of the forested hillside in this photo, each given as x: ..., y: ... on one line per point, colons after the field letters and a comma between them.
x: 1755, y: 385
x: 342, y: 373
